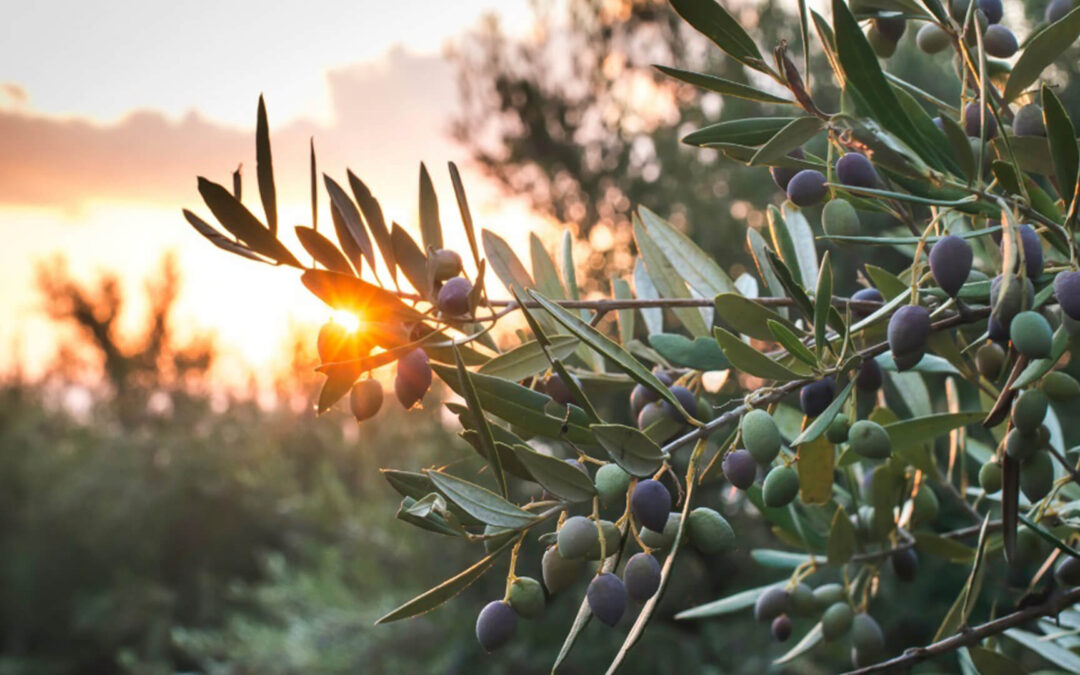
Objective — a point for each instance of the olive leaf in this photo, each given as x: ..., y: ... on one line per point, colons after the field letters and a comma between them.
x: 481, y: 503
x: 630, y: 448
x: 556, y: 476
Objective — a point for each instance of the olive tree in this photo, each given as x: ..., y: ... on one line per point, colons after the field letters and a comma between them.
x: 840, y: 418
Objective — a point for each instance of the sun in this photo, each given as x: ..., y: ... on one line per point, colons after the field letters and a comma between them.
x: 347, y: 320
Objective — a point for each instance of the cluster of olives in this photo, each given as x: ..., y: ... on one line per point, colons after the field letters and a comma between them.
x: 776, y: 606
x: 808, y: 187
x: 761, y: 446
x: 452, y: 290
x: 581, y: 539
x: 648, y: 409
x: 998, y: 41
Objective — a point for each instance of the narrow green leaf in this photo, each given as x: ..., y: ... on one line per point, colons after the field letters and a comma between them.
x: 745, y: 316
x: 422, y: 514
x: 798, y: 131
x: 668, y: 281
x: 697, y: 267
x: 354, y: 295
x: 722, y: 86
x: 504, y: 262
x: 822, y: 304
x: 480, y: 502
x: 1048, y: 536
x: 264, y: 167
x: 430, y: 227
x: 643, y: 286
x: 556, y: 476
x: 342, y: 203
x: 463, y: 208
x: 544, y: 271
x: 888, y: 283
x: 1049, y: 650
x: 758, y: 249
x: 841, y: 544
x: 523, y: 407
x: 1041, y: 50
x: 791, y: 287
x: 749, y: 360
x: 732, y: 603
x: 949, y: 549
x: 989, y: 662
x: 323, y: 250
x: 411, y: 260
x: 700, y: 353
x: 782, y: 560
x: 483, y: 429
x: 376, y: 222
x: 218, y: 239
x: 235, y: 218
x: 1062, y: 137
x: 604, y: 346
x: 913, y: 432
x: 445, y: 591
x: 751, y: 131
x: 620, y: 290
x: 713, y: 21
x: 791, y: 342
x: 528, y: 359
x: 631, y: 449
x: 816, y: 467
x: 961, y: 608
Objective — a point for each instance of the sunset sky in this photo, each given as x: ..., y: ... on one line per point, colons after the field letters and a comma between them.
x: 108, y: 115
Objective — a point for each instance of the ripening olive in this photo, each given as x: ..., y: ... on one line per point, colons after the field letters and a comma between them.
x: 882, y: 45
x: 1067, y: 571
x: 640, y: 395
x: 836, y: 621
x: 782, y: 175
x: 1029, y: 410
x: 612, y: 536
x: 837, y: 431
x: 771, y: 603
x: 1009, y: 299
x: 760, y: 435
x: 650, y: 414
x: 611, y: 483
x: 867, y: 295
x: 1028, y: 121
x: 606, y: 596
x: 1061, y: 386
x: 558, y: 391
x: 641, y: 576
x: 1000, y: 42
x: 558, y: 572
x: 815, y: 397
x: 413, y: 378
x: 909, y: 329
x: 709, y: 531
x: 839, y: 218
x: 495, y: 625
x: 807, y: 188
x: 801, y: 600
x: 827, y: 595
x: 1032, y: 251
x: 905, y: 564
x: 932, y: 39
x: 870, y: 377
x: 780, y: 487
x: 855, y: 170
x: 662, y: 539
x: 1057, y: 9
x: 686, y: 399
x: 992, y: 9
x: 1067, y: 292
x: 866, y: 634
x: 990, y: 477
x: 870, y: 440
x: 781, y: 628
x: 1037, y: 476
x: 526, y: 597
x: 651, y: 504
x: 926, y: 505
x: 972, y: 122
x: 365, y: 399
x: 447, y: 264
x: 989, y: 359
x: 453, y: 299
x: 576, y: 537
x: 740, y: 468
x: 950, y: 263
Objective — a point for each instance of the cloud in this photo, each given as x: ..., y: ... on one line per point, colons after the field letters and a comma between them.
x: 386, y: 117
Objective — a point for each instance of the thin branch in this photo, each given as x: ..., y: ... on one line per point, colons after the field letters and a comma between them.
x: 971, y: 636
x: 1065, y: 464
